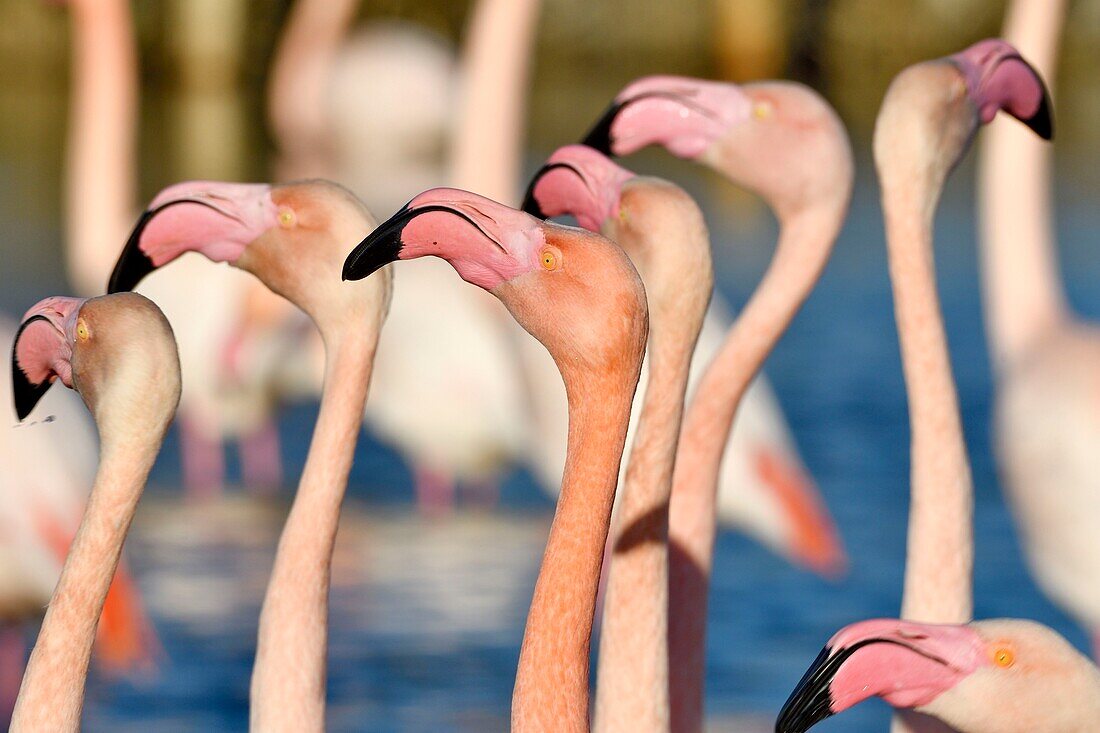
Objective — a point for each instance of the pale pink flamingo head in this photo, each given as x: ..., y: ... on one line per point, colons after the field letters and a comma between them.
x: 117, y: 351
x: 579, y: 181
x: 291, y: 236
x: 974, y: 677
x: 684, y: 115
x: 575, y: 291
x: 932, y: 109
x: 780, y: 140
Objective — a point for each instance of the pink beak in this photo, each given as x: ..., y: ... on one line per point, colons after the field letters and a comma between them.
x: 217, y: 219
x: 998, y: 78
x: 43, y: 350
x: 907, y: 664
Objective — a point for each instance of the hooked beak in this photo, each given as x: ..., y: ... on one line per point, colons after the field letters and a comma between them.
x: 530, y: 201
x: 42, y: 350
x: 25, y: 392
x: 599, y: 137
x: 999, y: 78
x: 134, y: 264
x: 380, y: 247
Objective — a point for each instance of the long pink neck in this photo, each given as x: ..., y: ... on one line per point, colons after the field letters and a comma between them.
x: 551, y: 691
x: 940, y: 547
x: 288, y: 681
x: 804, y: 245
x: 298, y: 92
x: 52, y: 695
x: 632, y: 691
x: 496, y: 61
x: 1021, y: 286
x: 100, y: 188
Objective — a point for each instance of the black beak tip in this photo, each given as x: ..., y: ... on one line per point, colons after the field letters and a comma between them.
x: 599, y: 137
x: 380, y: 248
x: 25, y: 393
x: 810, y: 702
x: 133, y: 264
x: 1042, y: 122
x: 530, y: 202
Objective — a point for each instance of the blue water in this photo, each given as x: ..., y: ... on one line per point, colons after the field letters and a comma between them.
x: 428, y: 615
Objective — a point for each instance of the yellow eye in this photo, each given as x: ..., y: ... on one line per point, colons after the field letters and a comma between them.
x: 549, y: 261
x: 1004, y: 657
x: 286, y: 217
x: 762, y: 110
x: 82, y: 330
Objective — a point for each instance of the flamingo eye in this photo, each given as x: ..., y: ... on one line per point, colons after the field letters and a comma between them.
x: 1004, y: 657
x: 549, y: 260
x: 286, y: 218
x: 82, y: 330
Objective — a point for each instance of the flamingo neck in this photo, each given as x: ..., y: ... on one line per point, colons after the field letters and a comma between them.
x: 288, y: 681
x: 805, y: 242
x: 551, y: 690
x: 101, y: 151
x: 52, y: 694
x: 940, y: 546
x: 496, y: 62
x: 1021, y: 283
x: 632, y: 690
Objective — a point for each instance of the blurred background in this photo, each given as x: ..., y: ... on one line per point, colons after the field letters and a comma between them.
x: 428, y: 606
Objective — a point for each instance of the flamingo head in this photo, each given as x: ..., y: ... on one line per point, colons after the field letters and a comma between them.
x: 684, y: 115
x: 933, y: 109
x: 564, y: 285
x: 289, y: 235
x: 1001, y: 674
x: 110, y: 349
x: 579, y: 181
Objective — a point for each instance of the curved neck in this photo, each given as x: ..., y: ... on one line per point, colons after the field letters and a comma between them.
x: 496, y: 59
x: 101, y: 157
x: 939, y: 560
x: 1021, y: 285
x: 52, y: 693
x: 298, y: 90
x: 805, y: 242
x: 632, y: 678
x: 288, y: 681
x: 551, y: 691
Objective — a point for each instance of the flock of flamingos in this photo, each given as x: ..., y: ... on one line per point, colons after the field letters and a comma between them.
x: 634, y: 279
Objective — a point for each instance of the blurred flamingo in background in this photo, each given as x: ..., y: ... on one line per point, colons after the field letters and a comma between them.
x: 784, y: 142
x: 293, y: 238
x: 579, y: 295
x: 1044, y: 358
x: 469, y: 403
x: 663, y: 232
x: 118, y: 352
x: 1004, y: 675
x: 100, y: 200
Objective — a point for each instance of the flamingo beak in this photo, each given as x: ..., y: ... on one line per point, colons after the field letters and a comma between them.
x: 133, y: 264
x: 599, y: 137
x: 380, y: 247
x: 530, y: 200
x: 26, y: 393
x: 999, y: 78
x: 42, y: 350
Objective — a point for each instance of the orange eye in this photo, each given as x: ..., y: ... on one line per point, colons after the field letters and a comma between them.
x: 82, y: 330
x: 549, y: 260
x: 1004, y: 657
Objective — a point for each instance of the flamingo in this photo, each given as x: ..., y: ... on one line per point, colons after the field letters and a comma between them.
x: 470, y: 423
x: 1043, y: 355
x: 579, y: 295
x: 663, y: 232
x: 784, y: 142
x: 1006, y: 676
x: 292, y: 238
x: 100, y: 198
x: 119, y: 354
